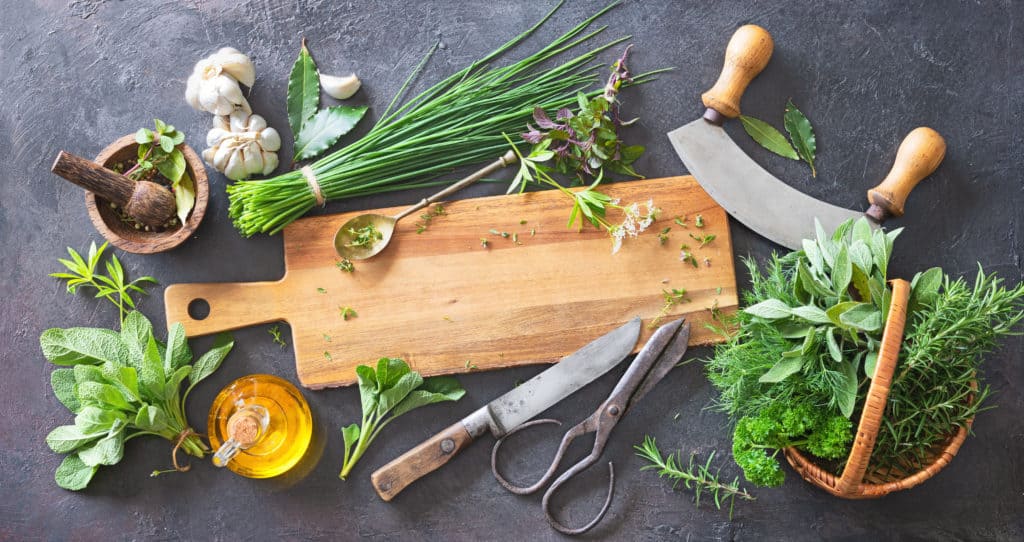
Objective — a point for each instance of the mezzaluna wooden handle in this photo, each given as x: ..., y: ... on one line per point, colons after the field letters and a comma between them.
x: 748, y: 53
x: 429, y: 456
x: 919, y: 155
x: 233, y: 305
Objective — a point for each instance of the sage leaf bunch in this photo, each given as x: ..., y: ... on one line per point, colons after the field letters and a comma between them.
x: 85, y: 271
x: 801, y: 134
x: 314, y: 130
x: 386, y: 393
x: 122, y: 385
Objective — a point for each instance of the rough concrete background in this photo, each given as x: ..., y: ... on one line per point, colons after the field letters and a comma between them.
x: 76, y: 75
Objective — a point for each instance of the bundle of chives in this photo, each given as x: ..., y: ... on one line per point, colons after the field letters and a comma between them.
x: 457, y: 122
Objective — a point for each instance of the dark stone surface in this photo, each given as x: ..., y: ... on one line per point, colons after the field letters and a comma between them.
x: 79, y: 74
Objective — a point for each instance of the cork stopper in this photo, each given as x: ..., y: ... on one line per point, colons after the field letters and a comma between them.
x: 244, y: 427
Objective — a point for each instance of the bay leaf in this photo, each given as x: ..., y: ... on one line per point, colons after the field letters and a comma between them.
x: 768, y: 137
x: 324, y: 128
x: 802, y: 134
x: 303, y: 91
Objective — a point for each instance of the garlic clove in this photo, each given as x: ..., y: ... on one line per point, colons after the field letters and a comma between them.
x: 221, y: 122
x: 256, y: 123
x: 239, y: 120
x: 270, y: 140
x: 235, y: 169
x: 253, y: 159
x: 222, y: 154
x: 208, y: 155
x: 269, y: 161
x: 228, y: 88
x: 236, y: 64
x: 192, y: 91
x: 215, y: 136
x: 340, y: 87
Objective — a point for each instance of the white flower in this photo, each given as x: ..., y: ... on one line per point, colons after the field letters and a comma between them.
x: 242, y: 145
x: 213, y: 85
x: 617, y: 236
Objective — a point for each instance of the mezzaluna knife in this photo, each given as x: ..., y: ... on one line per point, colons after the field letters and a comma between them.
x: 755, y: 197
x: 510, y: 410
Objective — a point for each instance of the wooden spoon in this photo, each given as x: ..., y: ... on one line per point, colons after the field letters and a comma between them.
x: 148, y: 202
x: 345, y: 242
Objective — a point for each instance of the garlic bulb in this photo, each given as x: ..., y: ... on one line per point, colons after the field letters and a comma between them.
x: 213, y: 85
x: 241, y: 145
x: 340, y: 87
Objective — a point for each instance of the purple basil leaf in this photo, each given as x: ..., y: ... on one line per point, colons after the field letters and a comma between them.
x: 542, y: 119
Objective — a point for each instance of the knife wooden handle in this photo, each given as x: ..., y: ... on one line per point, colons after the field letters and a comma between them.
x: 420, y: 461
x: 748, y: 53
x: 918, y: 156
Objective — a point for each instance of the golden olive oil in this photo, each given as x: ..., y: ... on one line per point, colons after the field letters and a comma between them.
x: 272, y: 444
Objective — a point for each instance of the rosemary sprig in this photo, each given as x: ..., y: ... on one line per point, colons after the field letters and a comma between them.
x: 700, y: 477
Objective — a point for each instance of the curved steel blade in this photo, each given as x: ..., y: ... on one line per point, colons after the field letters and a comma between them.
x: 565, y: 377
x: 750, y: 194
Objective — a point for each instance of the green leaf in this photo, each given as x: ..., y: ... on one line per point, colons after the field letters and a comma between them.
x: 351, y: 436
x: 390, y: 397
x: 303, y: 92
x: 178, y: 352
x: 813, y: 254
x: 880, y: 250
x: 92, y: 419
x: 73, y: 473
x: 842, y: 271
x: 878, y: 290
x: 161, y: 126
x: 368, y: 389
x: 102, y: 395
x: 106, y: 451
x: 86, y: 345
x: 863, y: 317
x: 862, y: 230
x: 860, y: 283
x: 143, y: 136
x: 870, y: 363
x: 166, y: 145
x: 433, y: 390
x: 63, y: 383
x: 782, y: 369
x: 800, y: 132
x: 67, y: 438
x: 211, y: 360
x: 136, y: 331
x: 173, y: 386
x: 151, y: 418
x: 860, y: 256
x: 811, y: 314
x: 769, y: 309
x: 836, y: 310
x: 324, y: 128
x: 768, y: 137
x: 810, y: 283
x: 833, y: 345
x: 184, y: 197
x: 389, y: 371
x: 151, y: 372
x: 846, y: 394
x: 925, y: 288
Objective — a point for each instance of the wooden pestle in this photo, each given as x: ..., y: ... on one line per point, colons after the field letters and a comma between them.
x: 148, y: 202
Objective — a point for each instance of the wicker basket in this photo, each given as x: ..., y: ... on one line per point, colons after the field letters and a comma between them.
x: 853, y: 484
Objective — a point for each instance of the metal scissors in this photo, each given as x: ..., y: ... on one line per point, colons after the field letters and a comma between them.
x: 661, y: 353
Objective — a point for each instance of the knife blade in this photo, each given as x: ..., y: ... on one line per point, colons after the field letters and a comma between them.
x: 511, y: 409
x: 755, y: 197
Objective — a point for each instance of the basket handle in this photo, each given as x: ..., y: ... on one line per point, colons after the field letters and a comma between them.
x: 878, y: 393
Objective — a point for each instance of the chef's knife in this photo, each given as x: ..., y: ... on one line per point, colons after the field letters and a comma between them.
x: 510, y: 410
x: 755, y: 197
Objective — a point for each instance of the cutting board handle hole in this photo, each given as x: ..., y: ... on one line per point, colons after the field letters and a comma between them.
x: 198, y: 309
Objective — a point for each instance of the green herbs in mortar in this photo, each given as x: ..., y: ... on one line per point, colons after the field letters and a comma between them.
x: 160, y: 160
x: 121, y: 386
x: 387, y: 393
x: 798, y: 367
x: 457, y: 122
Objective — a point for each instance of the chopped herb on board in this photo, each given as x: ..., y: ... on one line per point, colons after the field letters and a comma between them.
x: 275, y: 332
x: 345, y: 265
x: 704, y: 240
x: 322, y: 290
x: 347, y: 312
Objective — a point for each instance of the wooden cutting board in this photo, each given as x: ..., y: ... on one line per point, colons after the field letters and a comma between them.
x: 446, y: 304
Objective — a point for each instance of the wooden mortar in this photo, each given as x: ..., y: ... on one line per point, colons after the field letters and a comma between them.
x: 126, y: 237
